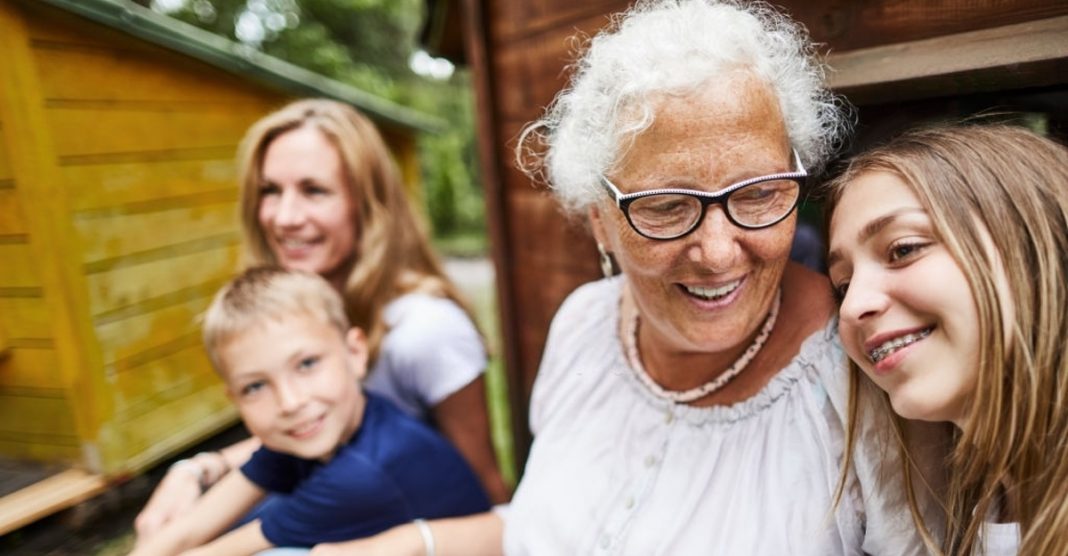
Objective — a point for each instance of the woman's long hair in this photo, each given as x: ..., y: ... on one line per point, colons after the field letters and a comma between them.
x: 393, y: 254
x: 998, y: 198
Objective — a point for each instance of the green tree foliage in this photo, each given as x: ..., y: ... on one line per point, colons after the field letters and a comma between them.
x: 368, y: 44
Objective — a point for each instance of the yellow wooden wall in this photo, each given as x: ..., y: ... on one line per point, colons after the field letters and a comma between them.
x: 36, y: 414
x: 144, y: 142
x: 118, y: 222
x: 133, y: 191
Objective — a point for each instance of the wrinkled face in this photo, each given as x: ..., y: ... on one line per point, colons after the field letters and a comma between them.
x: 306, y: 211
x: 907, y: 316
x: 709, y: 291
x: 296, y: 383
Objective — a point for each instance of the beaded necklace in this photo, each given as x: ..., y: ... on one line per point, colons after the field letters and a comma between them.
x: 630, y: 342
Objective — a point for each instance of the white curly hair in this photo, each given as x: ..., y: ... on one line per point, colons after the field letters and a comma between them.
x: 671, y: 46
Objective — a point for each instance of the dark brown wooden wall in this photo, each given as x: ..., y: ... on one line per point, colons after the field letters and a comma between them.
x: 519, y: 50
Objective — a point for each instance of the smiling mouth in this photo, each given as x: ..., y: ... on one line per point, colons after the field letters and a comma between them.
x: 306, y: 429
x: 290, y: 243
x: 890, y: 346
x: 712, y: 294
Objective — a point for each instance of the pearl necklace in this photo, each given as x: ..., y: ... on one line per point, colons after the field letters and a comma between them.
x: 693, y: 394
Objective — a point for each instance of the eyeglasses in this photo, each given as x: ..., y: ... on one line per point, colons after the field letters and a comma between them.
x: 672, y: 213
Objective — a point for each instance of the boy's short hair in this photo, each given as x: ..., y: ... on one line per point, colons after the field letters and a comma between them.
x: 268, y: 292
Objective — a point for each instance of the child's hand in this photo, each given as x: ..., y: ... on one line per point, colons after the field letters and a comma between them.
x: 173, y: 497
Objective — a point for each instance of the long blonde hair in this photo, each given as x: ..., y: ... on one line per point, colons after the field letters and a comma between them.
x: 1007, y: 187
x: 393, y: 254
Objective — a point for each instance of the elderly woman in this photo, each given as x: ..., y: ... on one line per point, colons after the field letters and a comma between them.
x: 695, y: 404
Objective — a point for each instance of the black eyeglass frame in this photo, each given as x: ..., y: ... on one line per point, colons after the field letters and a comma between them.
x: 624, y: 200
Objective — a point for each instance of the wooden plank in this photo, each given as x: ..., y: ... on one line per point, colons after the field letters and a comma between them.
x: 81, y: 132
x: 30, y: 367
x: 7, y: 175
x: 142, y: 183
x: 111, y: 73
x: 173, y: 426
x: 43, y: 413
x: 531, y: 71
x: 560, y: 270
x: 12, y: 221
x: 1013, y: 56
x: 499, y: 226
x: 852, y: 25
x: 46, y: 497
x: 511, y: 21
x: 67, y: 451
x: 117, y: 235
x: 128, y: 285
x: 25, y: 317
x: 134, y: 336
x: 19, y: 264
x: 33, y: 161
x: 162, y: 381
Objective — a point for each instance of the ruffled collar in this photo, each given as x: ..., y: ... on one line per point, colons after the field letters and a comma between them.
x: 803, y: 364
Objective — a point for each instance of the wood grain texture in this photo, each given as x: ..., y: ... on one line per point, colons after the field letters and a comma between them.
x: 1029, y: 54
x: 143, y: 329
x: 117, y: 235
x: 30, y: 367
x: 130, y: 284
x: 85, y: 131
x: 32, y: 157
x: 137, y: 185
x: 29, y: 414
x: 171, y: 426
x: 12, y: 221
x: 19, y: 264
x: 143, y: 389
x: 130, y: 209
x: 25, y: 317
x: 7, y: 175
x: 122, y: 75
x: 55, y: 493
x: 845, y: 26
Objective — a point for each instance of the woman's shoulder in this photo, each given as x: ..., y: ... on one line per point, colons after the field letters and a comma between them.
x: 590, y: 301
x: 421, y: 314
x: 414, y: 304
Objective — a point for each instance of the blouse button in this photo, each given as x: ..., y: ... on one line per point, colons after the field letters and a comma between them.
x: 629, y: 503
x: 606, y: 541
x: 650, y: 460
x: 669, y: 417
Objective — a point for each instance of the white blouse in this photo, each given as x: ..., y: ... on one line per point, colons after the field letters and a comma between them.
x: 431, y: 350
x: 616, y: 470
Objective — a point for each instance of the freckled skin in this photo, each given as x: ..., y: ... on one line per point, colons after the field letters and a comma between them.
x: 726, y: 131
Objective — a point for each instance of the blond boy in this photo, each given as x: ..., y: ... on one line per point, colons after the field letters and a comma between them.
x: 344, y: 464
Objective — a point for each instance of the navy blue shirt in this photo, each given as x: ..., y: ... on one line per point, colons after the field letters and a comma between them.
x: 393, y: 470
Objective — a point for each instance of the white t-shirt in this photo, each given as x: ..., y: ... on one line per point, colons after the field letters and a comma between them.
x: 616, y: 470
x: 431, y: 350
x: 998, y: 539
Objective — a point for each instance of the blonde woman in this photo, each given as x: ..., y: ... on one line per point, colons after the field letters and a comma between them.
x: 320, y: 193
x: 948, y: 254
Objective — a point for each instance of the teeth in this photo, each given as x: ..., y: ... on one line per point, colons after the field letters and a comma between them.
x: 890, y: 346
x: 712, y: 293
x: 295, y: 243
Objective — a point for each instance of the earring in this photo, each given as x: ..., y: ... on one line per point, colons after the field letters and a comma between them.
x: 606, y: 261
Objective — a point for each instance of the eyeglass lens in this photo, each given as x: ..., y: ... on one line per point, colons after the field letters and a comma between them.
x: 755, y: 205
